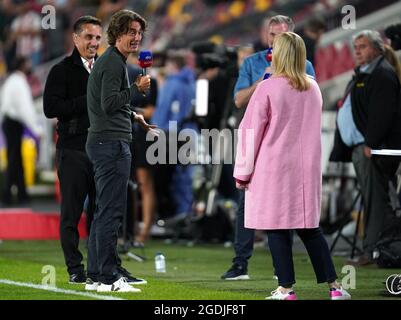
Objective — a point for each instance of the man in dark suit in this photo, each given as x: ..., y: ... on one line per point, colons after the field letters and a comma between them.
x: 369, y: 118
x: 65, y: 99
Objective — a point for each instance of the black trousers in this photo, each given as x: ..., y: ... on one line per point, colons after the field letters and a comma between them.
x: 244, y: 237
x: 280, y: 244
x: 13, y: 131
x: 75, y: 173
x: 111, y: 162
x: 374, y: 175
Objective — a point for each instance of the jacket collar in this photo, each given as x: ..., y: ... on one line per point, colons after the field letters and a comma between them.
x: 372, y: 66
x: 119, y: 53
x: 76, y: 57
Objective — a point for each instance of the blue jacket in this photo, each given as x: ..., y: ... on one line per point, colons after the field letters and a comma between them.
x: 174, y: 101
x: 253, y: 68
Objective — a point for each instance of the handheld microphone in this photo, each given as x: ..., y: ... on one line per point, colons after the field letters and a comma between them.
x: 269, y: 54
x: 269, y: 58
x: 266, y: 76
x: 145, y: 60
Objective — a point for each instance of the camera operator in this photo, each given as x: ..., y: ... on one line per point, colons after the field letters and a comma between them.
x: 210, y: 64
x: 218, y: 65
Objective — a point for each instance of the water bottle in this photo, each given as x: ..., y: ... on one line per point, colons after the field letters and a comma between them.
x: 160, y: 262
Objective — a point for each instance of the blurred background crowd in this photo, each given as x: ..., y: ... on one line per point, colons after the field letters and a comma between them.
x: 211, y: 39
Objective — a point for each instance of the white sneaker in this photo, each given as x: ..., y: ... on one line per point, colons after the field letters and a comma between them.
x: 339, y: 294
x: 91, y: 285
x: 278, y: 295
x: 121, y: 285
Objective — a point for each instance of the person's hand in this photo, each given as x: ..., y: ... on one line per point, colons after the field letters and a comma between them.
x: 146, y: 126
x: 367, y: 152
x: 269, y: 69
x: 241, y: 186
x: 143, y: 83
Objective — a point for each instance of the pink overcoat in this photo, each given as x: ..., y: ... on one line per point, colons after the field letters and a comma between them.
x: 279, y: 153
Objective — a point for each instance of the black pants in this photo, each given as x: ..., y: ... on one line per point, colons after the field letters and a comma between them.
x: 244, y: 238
x: 163, y: 174
x: 280, y: 244
x: 111, y: 162
x: 374, y: 175
x: 13, y: 131
x: 75, y: 173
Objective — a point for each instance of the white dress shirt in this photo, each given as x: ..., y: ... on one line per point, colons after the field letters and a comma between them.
x: 86, y: 64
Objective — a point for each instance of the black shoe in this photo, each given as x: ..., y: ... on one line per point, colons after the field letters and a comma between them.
x: 130, y: 279
x: 78, y: 278
x: 236, y: 272
x: 137, y: 244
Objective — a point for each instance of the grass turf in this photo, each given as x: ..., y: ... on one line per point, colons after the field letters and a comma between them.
x: 193, y: 273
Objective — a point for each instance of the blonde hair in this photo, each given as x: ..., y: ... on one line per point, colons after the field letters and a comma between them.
x: 289, y: 59
x: 391, y: 57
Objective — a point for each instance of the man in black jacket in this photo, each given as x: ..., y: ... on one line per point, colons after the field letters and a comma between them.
x: 370, y: 118
x: 65, y: 99
x: 108, y: 147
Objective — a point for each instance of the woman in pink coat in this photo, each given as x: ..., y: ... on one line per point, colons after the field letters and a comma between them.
x: 278, y: 163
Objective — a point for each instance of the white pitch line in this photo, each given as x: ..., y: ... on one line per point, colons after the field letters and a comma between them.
x: 54, y: 289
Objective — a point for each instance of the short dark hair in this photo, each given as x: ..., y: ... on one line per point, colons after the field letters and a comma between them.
x: 177, y: 58
x: 316, y: 24
x: 120, y: 23
x: 85, y: 20
x: 18, y: 63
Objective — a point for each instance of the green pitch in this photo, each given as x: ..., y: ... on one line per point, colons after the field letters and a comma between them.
x: 193, y: 273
